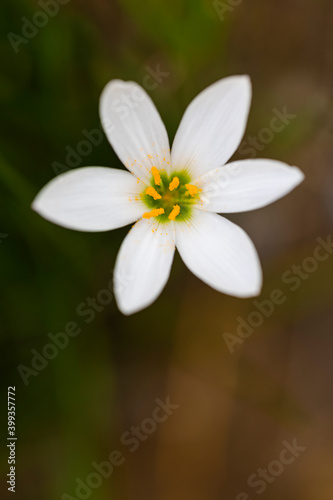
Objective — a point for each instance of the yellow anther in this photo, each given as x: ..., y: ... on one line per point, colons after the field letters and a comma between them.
x: 174, y: 183
x: 153, y: 213
x: 192, y: 190
x: 152, y: 192
x: 175, y: 212
x: 156, y: 175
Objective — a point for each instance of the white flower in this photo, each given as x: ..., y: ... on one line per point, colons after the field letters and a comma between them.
x: 174, y: 196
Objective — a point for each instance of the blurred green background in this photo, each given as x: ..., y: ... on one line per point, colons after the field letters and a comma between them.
x: 235, y: 409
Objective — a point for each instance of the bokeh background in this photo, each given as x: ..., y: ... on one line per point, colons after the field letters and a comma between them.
x: 235, y: 409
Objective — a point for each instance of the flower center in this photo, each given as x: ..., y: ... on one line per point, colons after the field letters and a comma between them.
x: 169, y: 198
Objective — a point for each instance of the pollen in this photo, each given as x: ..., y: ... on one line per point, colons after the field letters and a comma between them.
x: 152, y: 192
x: 175, y: 212
x: 192, y: 190
x: 156, y: 175
x: 153, y: 213
x: 174, y: 183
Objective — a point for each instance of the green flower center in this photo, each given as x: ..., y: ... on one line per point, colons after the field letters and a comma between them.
x: 171, y: 197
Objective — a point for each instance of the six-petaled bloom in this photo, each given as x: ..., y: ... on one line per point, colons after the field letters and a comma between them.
x: 176, y: 196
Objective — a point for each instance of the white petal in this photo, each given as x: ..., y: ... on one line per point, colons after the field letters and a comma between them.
x: 213, y: 126
x: 247, y: 185
x: 91, y: 199
x: 143, y: 264
x: 220, y: 253
x: 134, y: 128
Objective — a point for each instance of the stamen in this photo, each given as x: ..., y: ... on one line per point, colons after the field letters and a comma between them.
x: 175, y: 212
x: 153, y: 213
x: 192, y: 190
x: 156, y: 175
x: 152, y: 192
x: 174, y: 184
